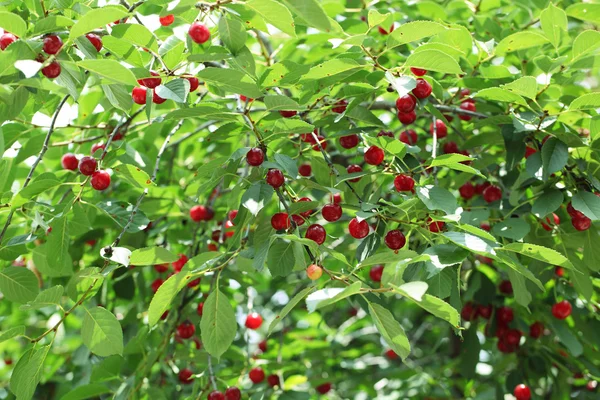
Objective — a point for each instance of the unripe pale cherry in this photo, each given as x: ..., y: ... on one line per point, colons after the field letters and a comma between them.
x: 562, y: 309
x: 409, y: 137
x: 423, y: 89
x: 166, y: 20
x: 357, y: 229
x: 275, y: 178
x: 280, y: 221
x: 374, y: 155
x: 349, y: 141
x: 87, y: 165
x: 316, y: 233
x: 404, y: 183
x: 354, y: 169
x: 100, y: 180
x: 376, y: 272
x: 406, y: 103
x: 395, y: 239
x: 199, y: 33
x: 52, y: 44
x: 95, y: 40
x: 407, y: 118
x: 314, y: 272
x: 150, y: 83
x: 257, y: 375
x: 332, y: 212
x: 441, y: 129
x: 253, y: 321
x: 255, y: 156
x: 52, y: 70
x: 138, y: 94
x: 69, y: 161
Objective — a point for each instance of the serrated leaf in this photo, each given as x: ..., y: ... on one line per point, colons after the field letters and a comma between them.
x: 413, y: 31
x: 256, y: 196
x: 152, y: 256
x: 311, y: 13
x: 588, y: 203
x: 547, y: 203
x: 12, y: 332
x: 135, y: 34
x: 218, y: 325
x: 554, y: 23
x: 281, y: 258
x: 414, y: 291
x: 437, y: 198
x: 390, y: 329
x: 275, y: 14
x: 502, y: 95
x: 233, y: 34
x: 176, y: 90
x: 46, y: 298
x: 541, y: 253
x: 13, y: 23
x: 555, y: 155
x: 433, y: 60
x: 520, y: 41
x: 111, y: 70
x: 28, y: 372
x: 101, y: 332
x: 134, y: 175
x: 280, y: 103
x: 165, y: 295
x: 230, y: 80
x: 512, y: 228
x: 525, y: 86
x: 586, y: 102
x: 97, y: 18
x: 18, y: 284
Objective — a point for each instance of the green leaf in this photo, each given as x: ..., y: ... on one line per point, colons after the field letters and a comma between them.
x: 218, y: 325
x: 471, y: 242
x: 18, y: 284
x: 40, y: 184
x: 525, y: 86
x: 280, y: 103
x: 541, y: 253
x: 97, y: 18
x: 46, y: 298
x: 585, y: 11
x: 512, y: 228
x: 135, y: 34
x: 152, y: 256
x: 256, y: 196
x: 437, y: 198
x: 522, y: 295
x: 432, y: 304
x: 390, y: 329
x: 134, y: 175
x: 281, y: 258
x: 28, y: 372
x: 547, y: 203
x: 520, y: 41
x: 567, y: 338
x: 311, y: 13
x: 233, y: 34
x: 89, y: 391
x: 554, y: 23
x: 275, y: 14
x: 165, y: 295
x: 176, y: 90
x: 375, y: 18
x: 118, y: 97
x: 12, y: 332
x: 57, y: 247
x: 332, y: 67
x: 111, y: 70
x: 586, y: 42
x: 413, y: 31
x: 588, y: 203
x: 445, y: 255
x: 289, y: 307
x: 13, y: 23
x: 502, y: 95
x: 388, y: 257
x: 325, y: 297
x: 288, y: 165
x: 51, y: 23
x: 231, y: 81
x: 510, y: 261
x: 586, y: 102
x: 101, y: 332
x: 433, y: 60
x: 454, y: 161
x: 120, y: 213
x: 555, y: 155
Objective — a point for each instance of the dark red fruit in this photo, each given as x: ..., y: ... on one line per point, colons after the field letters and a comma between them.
x: 200, y: 309
x: 562, y: 309
x: 332, y: 212
x: 559, y: 271
x: 275, y: 178
x: 97, y: 146
x: 280, y: 221
x: 357, y: 229
x: 201, y: 213
x: 87, y: 165
x: 505, y: 287
x: 255, y: 156
x: 69, y: 161
x: 339, y: 107
x: 407, y: 118
x: 288, y: 114
x: 513, y: 337
x: 166, y: 20
x: 257, y: 375
x: 406, y: 103
x: 349, y: 141
x: 374, y: 155
x: 336, y: 198
x: 522, y: 392
x: 354, y: 169
x: 95, y: 40
x: 480, y: 187
x: 492, y: 193
x: 156, y: 284
x: 186, y: 330
x: 323, y: 388
x: 150, y: 83
x: 404, y: 183
x: 423, y: 89
x: 215, y: 395
x: 317, y: 233
x: 529, y: 151
x: 376, y: 272
x: 263, y: 346
x: 409, y: 137
x: 100, y: 180
x: 485, y: 311
x: 199, y: 33
x: 52, y: 70
x: 160, y: 268
x: 6, y: 40
x: 156, y: 99
x: 536, y: 330
x: 450, y: 147
x: 253, y: 321
x: 441, y: 129
x: 138, y: 94
x: 467, y: 106
x: 385, y: 133
x: 194, y: 83
x: 178, y: 265
x: 582, y: 223
x: 52, y: 44
x: 469, y: 311
x: 233, y: 393
x: 395, y: 239
x: 418, y: 71
x: 467, y: 191
x: 435, y: 226
x: 305, y: 170
x: 185, y: 376
x: 504, y: 315
x: 548, y: 225
x: 273, y: 380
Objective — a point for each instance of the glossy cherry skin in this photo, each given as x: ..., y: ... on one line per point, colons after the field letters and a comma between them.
x: 407, y: 118
x: 87, y: 165
x: 100, y: 180
x: 185, y: 376
x: 275, y: 178
x: 288, y: 114
x: 550, y: 223
x: 317, y: 233
x: 138, y: 94
x: 409, y: 137
x: 441, y: 129
x: 331, y: 212
x: 339, y: 107
x: 194, y: 82
x: 374, y: 155
x: 404, y: 183
x: 354, y: 169
x: 536, y: 330
x: 349, y: 141
x: 52, y: 44
x: 186, y: 330
x: 157, y: 283
x: 216, y: 395
x: 233, y: 393
x: 376, y: 272
x: 522, y: 392
x: 467, y: 106
x: 423, y: 89
x: 305, y: 170
x: 469, y: 311
x: 69, y: 161
x: 150, y: 83
x: 201, y: 213
x: 582, y: 223
x: 178, y: 265
x: 253, y: 321
x: 357, y: 229
x: 406, y: 103
x: 166, y: 20
x: 467, y: 191
x: 450, y: 147
x: 199, y: 33
x: 562, y: 309
x: 435, y: 226
x: 395, y: 239
x: 418, y: 71
x: 156, y: 99
x: 52, y: 70
x: 504, y: 315
x: 255, y: 156
x: 257, y: 375
x: 6, y: 40
x: 280, y: 221
x: 492, y: 193
x: 95, y: 40
x: 273, y: 380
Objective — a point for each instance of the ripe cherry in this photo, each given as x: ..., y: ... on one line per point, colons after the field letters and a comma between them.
x: 581, y: 224
x: 166, y: 20
x: 469, y: 311
x: 339, y: 107
x: 407, y: 118
x: 97, y: 146
x: 385, y: 133
x: 231, y: 215
x: 216, y: 395
x: 418, y: 71
x: 559, y: 271
x: 288, y: 114
x: 305, y: 170
x: 562, y: 309
x: 376, y: 272
x: 95, y: 40
x: 485, y: 311
x: 573, y: 212
x: 450, y: 147
x: 492, y: 193
x: 513, y: 337
x: 275, y: 178
x: 321, y: 142
x: 548, y: 225
x: 349, y: 141
x: 298, y: 220
x: 314, y: 272
x: 385, y: 32
x: 186, y: 330
x: 336, y: 198
x: 317, y: 233
x: 395, y: 239
x: 51, y: 71
x: 156, y: 99
x: 69, y: 161
x: 194, y: 83
x: 52, y: 44
x: 87, y: 165
x: 404, y: 183
x: 138, y: 94
x: 529, y: 151
x: 536, y: 330
x: 423, y: 89
x: 6, y: 40
x: 255, y: 156
x: 178, y: 265
x: 332, y: 212
x: 253, y: 321
x: 374, y: 155
x: 406, y: 103
x: 100, y: 180
x: 409, y: 137
x: 273, y: 380
x: 323, y: 388
x: 435, y: 226
x: 156, y: 284
x: 391, y: 354
x: 467, y: 191
x: 354, y: 169
x: 257, y: 375
x: 504, y: 315
x: 357, y: 229
x: 160, y: 268
x: 199, y: 33
x: 185, y: 376
x: 244, y: 98
x: 441, y: 129
x: 480, y: 187
x: 467, y: 106
x: 522, y: 392
x: 307, y: 213
x: 201, y: 213
x: 280, y: 221
x: 233, y: 393
x: 150, y: 83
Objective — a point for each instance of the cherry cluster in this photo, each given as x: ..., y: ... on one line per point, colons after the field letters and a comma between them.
x: 87, y: 166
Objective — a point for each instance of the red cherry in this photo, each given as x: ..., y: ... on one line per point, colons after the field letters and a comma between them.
x: 306, y: 214
x: 156, y: 284
x: 95, y: 40
x: 522, y: 392
x: 467, y: 191
x: 385, y: 133
x: 253, y: 321
x: 513, y: 337
x: 485, y: 311
x: 52, y: 70
x: 193, y: 283
x: 160, y: 268
x: 194, y: 83
x: 435, y: 226
x: 395, y: 239
x: 97, y: 146
x: 504, y: 315
x: 581, y: 224
x: 332, y: 212
x: 573, y: 212
x: 441, y: 129
x: 418, y: 71
x: 591, y: 386
x: 322, y: 142
x: 339, y: 107
x: 244, y: 98
x: 549, y: 225
x: 185, y: 376
x: 374, y: 155
x: 186, y: 330
x: 409, y: 137
x: 69, y: 161
x: 166, y: 20
x: 257, y: 375
x: 280, y: 221
x: 87, y: 165
x: 404, y: 183
x: 562, y: 309
x: 156, y: 99
x: 52, y: 44
x: 467, y: 106
x: 199, y: 33
x: 255, y: 156
x: 201, y: 213
x: 357, y: 229
x: 336, y: 198
x: 323, y: 388
x: 505, y: 287
x: 529, y: 151
x: 305, y: 170
x: 6, y: 40
x: 309, y: 138
x: 391, y: 354
x: 200, y: 308
x: 376, y: 272
x: 559, y: 271
x: 423, y: 89
x: 480, y: 187
x: 273, y: 380
x: 138, y: 94
x: 100, y: 180
x: 231, y: 215
x: 407, y: 118
x: 233, y: 393
x: 288, y: 114
x: 263, y: 346
x: 468, y: 312
x: 354, y: 169
x: 317, y: 233
x: 450, y: 147
x: 492, y: 193
x: 178, y: 265
x: 150, y: 83
x: 298, y: 220
x: 349, y: 141
x: 536, y: 330
x: 406, y: 103
x: 275, y: 178
x: 216, y: 395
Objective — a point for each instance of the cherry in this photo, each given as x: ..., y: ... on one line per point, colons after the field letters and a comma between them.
x: 339, y: 107
x: 185, y: 376
x: 409, y: 137
x: 591, y: 386
x: 391, y: 354
x: 385, y: 133
x: 255, y: 156
x: 233, y: 393
x: 332, y: 212
x: 418, y: 71
x: 435, y: 226
x: 186, y: 330
x: 559, y: 271
x: 231, y: 215
x: 87, y: 165
x: 336, y: 198
x: 288, y: 114
x: 536, y: 330
x: 273, y: 380
x: 6, y: 40
x: 280, y: 221
x: 480, y: 187
x: 573, y: 212
x: 357, y: 229
x: 317, y: 233
x: 384, y: 32
x: 450, y: 147
x: 441, y: 129
x: 468, y: 312
x: 406, y: 103
x: 467, y: 191
x: 513, y: 337
x: 309, y: 138
x: 562, y: 309
x: 504, y: 315
x: 52, y: 44
x: 8, y: 361
x: 253, y: 321
x: 166, y: 20
x: 376, y: 272
x: 305, y: 170
x: 275, y: 178
x: 257, y: 375
x: 314, y: 272
x: 156, y: 99
x: 306, y: 214
x: 100, y: 180
x: 374, y: 155
x: 349, y: 141
x: 194, y: 83
x: 156, y: 284
x: 298, y: 220
x: 407, y: 118
x: 505, y: 287
x: 178, y: 265
x: 95, y: 40
x: 201, y: 213
x: 194, y: 283
x: 492, y: 193
x: 548, y: 226
x: 423, y: 89
x: 160, y: 268
x: 97, y: 146
x: 200, y: 308
x: 467, y: 106
x: 404, y: 183
x: 522, y: 392
x: 51, y: 71
x: 199, y: 33
x: 150, y: 83
x: 322, y: 142
x: 354, y: 169
x: 244, y: 98
x: 138, y: 94
x: 216, y: 395
x: 395, y: 239
x: 485, y: 311
x: 69, y: 161
x: 581, y: 224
